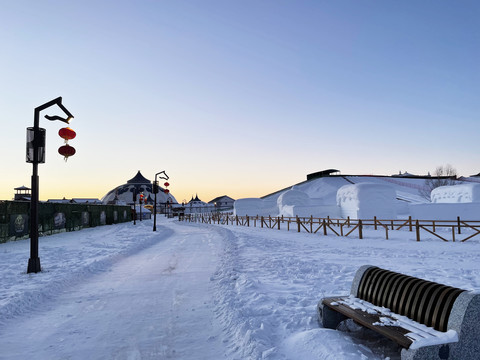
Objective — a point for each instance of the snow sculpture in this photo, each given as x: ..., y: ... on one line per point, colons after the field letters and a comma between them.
x: 463, y: 193
x: 254, y: 206
x: 366, y: 200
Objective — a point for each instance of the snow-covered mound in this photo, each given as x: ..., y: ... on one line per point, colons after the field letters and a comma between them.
x: 297, y: 203
x: 365, y: 197
x: 254, y: 206
x: 366, y: 200
x: 293, y: 197
x: 463, y: 193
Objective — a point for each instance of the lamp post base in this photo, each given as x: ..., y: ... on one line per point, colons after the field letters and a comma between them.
x: 34, y: 265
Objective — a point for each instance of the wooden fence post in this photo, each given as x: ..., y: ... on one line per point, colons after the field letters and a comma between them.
x: 324, y: 227
x: 348, y: 221
x: 248, y: 221
x: 417, y: 228
x: 459, y: 226
x: 261, y: 219
x: 375, y: 222
x: 298, y: 224
x: 410, y: 223
x: 360, y: 229
x: 278, y: 223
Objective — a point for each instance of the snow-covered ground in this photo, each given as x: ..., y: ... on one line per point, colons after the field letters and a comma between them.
x: 196, y: 291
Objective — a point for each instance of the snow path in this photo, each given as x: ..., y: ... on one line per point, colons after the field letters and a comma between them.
x: 146, y: 306
x: 198, y: 291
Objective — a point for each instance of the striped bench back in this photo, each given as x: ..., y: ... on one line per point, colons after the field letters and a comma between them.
x: 423, y: 301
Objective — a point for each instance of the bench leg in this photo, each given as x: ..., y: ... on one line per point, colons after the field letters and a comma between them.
x: 329, y: 318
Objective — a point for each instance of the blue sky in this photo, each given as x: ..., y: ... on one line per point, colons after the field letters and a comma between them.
x: 239, y: 97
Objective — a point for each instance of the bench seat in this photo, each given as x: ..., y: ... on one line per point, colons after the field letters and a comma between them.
x: 400, y: 329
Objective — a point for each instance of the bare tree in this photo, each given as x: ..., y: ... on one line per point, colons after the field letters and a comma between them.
x: 442, y: 176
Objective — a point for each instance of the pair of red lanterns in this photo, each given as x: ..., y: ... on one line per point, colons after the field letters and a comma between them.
x: 166, y: 191
x: 66, y: 150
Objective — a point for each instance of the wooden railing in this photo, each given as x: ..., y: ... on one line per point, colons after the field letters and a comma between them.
x: 345, y: 227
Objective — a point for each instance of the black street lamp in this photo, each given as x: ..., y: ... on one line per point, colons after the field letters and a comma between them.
x: 155, y: 191
x: 36, y: 155
x: 134, y: 194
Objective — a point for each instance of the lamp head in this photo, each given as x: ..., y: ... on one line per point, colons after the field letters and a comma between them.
x: 55, y: 117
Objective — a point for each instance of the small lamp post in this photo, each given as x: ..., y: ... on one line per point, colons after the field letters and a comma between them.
x: 134, y: 198
x: 155, y: 191
x: 140, y: 202
x: 36, y: 155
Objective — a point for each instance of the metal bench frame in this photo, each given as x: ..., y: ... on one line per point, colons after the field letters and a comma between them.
x: 414, y: 313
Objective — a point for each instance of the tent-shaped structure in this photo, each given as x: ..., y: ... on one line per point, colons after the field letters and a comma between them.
x: 123, y: 194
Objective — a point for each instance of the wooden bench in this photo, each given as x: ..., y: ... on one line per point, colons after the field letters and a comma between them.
x: 428, y: 320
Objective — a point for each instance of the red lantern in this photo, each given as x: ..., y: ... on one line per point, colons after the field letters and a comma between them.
x: 166, y: 184
x: 66, y: 151
x: 67, y: 134
x: 166, y: 191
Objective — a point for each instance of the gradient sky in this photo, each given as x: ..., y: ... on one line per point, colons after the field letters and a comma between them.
x: 238, y: 98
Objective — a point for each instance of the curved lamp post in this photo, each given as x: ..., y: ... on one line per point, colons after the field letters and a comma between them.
x: 155, y: 191
x: 36, y: 144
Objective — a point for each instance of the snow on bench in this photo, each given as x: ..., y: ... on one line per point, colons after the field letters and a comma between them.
x: 429, y: 320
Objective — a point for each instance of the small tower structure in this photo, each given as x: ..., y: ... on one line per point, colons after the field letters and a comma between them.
x: 23, y: 193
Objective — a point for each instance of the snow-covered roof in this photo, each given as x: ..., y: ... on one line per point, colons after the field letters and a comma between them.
x: 139, y: 179
x: 221, y: 198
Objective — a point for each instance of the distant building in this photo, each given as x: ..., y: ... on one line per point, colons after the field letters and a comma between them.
x: 222, y: 202
x: 76, y: 201
x: 323, y: 173
x: 88, y: 201
x: 61, y: 201
x: 195, y: 205
x: 22, y: 194
x: 123, y: 194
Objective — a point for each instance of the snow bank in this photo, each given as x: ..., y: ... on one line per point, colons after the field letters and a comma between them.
x: 463, y: 193
x: 254, y: 206
x: 366, y: 200
x: 445, y: 211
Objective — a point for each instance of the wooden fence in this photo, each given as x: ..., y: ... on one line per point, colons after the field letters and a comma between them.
x: 346, y: 227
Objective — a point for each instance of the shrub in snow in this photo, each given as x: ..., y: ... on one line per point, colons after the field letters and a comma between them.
x: 366, y: 200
